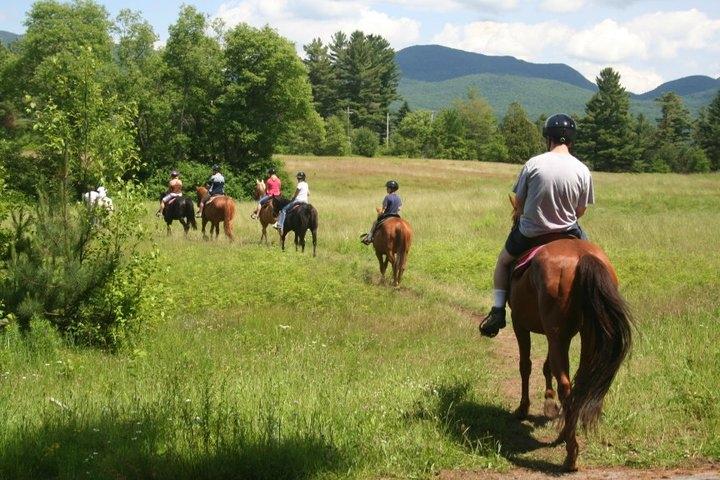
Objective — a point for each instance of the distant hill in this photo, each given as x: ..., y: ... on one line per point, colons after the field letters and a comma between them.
x: 434, y: 63
x: 6, y: 38
x: 683, y: 86
x: 433, y: 76
x: 536, y: 95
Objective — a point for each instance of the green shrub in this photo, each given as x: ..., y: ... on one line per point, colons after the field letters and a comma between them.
x: 365, y: 142
x: 81, y: 270
x: 336, y: 138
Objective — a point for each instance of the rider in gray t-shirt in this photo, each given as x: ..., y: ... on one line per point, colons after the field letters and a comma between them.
x: 553, y: 190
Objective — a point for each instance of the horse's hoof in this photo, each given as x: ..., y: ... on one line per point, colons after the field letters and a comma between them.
x: 551, y: 409
x: 521, y: 413
x: 570, y: 465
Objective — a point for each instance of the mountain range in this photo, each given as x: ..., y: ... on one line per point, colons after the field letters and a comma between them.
x: 432, y: 76
x: 6, y: 38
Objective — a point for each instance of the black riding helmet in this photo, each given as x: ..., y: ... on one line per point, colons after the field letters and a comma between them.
x: 216, y: 168
x: 174, y: 174
x: 271, y: 171
x: 392, y: 185
x: 300, y: 175
x: 559, y: 128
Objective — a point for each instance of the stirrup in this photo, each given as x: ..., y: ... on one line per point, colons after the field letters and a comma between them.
x: 493, y: 322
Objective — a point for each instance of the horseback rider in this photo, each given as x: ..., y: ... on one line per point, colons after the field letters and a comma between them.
x: 273, y: 185
x: 215, y: 186
x: 174, y: 190
x: 302, y: 192
x: 553, y: 191
x: 392, y: 203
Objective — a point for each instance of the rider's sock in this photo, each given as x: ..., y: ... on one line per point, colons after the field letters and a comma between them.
x: 499, y: 298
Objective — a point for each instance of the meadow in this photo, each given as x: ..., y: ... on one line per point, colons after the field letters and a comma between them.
x: 278, y: 365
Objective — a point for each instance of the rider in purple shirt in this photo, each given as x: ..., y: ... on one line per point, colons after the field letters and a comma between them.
x: 390, y: 208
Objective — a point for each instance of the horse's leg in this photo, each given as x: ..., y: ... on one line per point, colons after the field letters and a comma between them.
x: 523, y: 340
x: 380, y: 263
x: 204, y: 223
x: 314, y: 236
x: 263, y: 234
x: 551, y: 409
x: 186, y: 226
x: 558, y: 351
x: 296, y: 240
x: 282, y: 240
x: 168, y: 227
x: 302, y: 242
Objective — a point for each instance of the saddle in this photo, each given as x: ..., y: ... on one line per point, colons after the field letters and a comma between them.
x: 523, y: 262
x: 383, y: 218
x: 171, y: 201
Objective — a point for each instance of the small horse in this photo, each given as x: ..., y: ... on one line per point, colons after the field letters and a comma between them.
x: 266, y: 215
x: 570, y: 286
x: 181, y: 209
x: 221, y: 209
x: 392, y: 241
x: 299, y: 219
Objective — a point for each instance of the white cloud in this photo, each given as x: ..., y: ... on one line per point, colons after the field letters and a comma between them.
x: 634, y: 80
x: 562, y: 6
x: 303, y: 20
x: 607, y: 41
x: 520, y: 40
x: 449, y: 5
x: 667, y: 33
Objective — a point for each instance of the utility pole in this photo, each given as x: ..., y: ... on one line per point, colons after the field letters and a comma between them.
x: 348, y: 129
x: 387, y: 129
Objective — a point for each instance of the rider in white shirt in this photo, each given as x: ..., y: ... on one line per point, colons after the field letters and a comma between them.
x: 302, y: 192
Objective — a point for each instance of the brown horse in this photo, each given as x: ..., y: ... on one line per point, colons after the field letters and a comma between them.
x: 570, y: 287
x: 221, y: 209
x: 266, y: 215
x: 392, y: 241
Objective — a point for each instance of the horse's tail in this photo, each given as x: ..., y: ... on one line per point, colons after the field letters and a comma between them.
x: 313, y: 224
x: 606, y: 339
x: 402, y: 245
x: 229, y: 215
x: 190, y: 214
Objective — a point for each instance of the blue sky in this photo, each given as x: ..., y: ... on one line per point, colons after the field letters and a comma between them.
x: 648, y: 41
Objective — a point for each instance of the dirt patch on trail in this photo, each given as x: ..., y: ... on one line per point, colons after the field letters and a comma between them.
x: 703, y: 472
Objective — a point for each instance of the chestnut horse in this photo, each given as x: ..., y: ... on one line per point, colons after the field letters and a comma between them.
x: 392, y: 241
x: 570, y: 287
x: 266, y: 215
x: 221, y: 209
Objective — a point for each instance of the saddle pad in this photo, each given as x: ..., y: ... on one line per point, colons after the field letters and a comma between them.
x: 210, y: 200
x: 523, y: 262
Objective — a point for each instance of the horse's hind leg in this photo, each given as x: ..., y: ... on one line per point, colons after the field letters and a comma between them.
x: 314, y: 237
x: 186, y: 226
x: 168, y: 229
x: 558, y: 352
x: 204, y: 224
x: 523, y: 340
x: 551, y: 409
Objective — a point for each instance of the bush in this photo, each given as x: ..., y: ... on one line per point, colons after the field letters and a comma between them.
x: 365, y: 142
x: 336, y: 139
x: 81, y: 270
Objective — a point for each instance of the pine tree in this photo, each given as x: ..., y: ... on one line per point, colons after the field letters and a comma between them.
x: 522, y: 138
x: 708, y: 132
x: 322, y: 79
x: 604, y: 134
x: 675, y: 124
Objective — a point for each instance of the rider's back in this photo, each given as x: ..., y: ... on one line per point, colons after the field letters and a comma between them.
x: 553, y: 186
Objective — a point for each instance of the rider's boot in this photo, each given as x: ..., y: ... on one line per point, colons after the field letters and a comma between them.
x: 493, y: 322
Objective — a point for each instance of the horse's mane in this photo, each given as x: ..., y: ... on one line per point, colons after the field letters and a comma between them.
x: 282, y: 201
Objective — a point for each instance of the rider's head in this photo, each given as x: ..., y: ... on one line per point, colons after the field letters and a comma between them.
x: 174, y: 174
x: 559, y: 129
x: 392, y: 185
x: 271, y: 171
x: 300, y: 176
x: 216, y: 168
x: 101, y: 191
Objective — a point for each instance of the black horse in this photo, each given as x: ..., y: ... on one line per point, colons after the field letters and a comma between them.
x: 182, y: 209
x: 299, y: 220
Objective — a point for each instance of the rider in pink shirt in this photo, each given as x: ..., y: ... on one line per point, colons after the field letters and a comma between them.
x: 273, y: 185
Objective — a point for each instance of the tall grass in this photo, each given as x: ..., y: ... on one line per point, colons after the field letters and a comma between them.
x: 278, y: 365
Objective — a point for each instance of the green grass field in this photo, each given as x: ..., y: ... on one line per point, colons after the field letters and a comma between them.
x: 278, y: 365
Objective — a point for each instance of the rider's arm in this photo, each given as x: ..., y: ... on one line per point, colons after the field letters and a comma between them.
x: 297, y: 192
